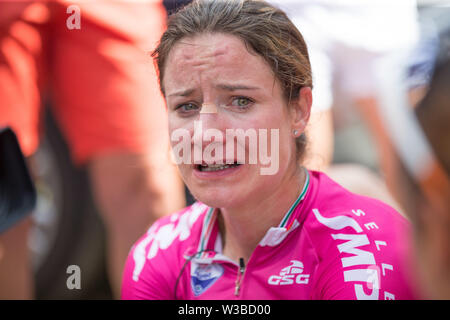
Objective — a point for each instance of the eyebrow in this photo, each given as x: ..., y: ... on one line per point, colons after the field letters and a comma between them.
x: 231, y: 87
x: 227, y: 87
x: 183, y: 93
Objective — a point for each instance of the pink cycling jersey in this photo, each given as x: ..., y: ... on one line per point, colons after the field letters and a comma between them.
x: 331, y: 244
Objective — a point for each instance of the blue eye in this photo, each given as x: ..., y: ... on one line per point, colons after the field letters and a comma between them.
x: 186, y: 107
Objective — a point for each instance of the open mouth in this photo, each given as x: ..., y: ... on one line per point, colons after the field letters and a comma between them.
x: 215, y: 167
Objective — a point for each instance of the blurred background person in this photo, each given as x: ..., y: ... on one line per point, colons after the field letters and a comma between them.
x: 345, y: 40
x: 90, y: 59
x: 415, y: 113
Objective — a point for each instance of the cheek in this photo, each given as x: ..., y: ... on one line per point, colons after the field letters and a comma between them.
x: 266, y: 117
x: 179, y: 125
x: 172, y: 131
x: 280, y: 121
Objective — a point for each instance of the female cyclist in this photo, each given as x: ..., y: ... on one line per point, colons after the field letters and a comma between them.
x: 266, y: 229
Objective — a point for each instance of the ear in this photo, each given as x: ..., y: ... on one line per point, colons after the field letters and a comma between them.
x: 301, y: 110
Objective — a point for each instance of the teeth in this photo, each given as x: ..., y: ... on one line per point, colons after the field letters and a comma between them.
x: 213, y: 165
x: 216, y: 167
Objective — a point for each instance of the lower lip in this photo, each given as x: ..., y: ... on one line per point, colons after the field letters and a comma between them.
x: 217, y: 174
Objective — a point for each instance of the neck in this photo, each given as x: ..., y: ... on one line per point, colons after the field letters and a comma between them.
x: 243, y: 228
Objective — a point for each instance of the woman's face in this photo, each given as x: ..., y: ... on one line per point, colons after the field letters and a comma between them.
x: 212, y: 81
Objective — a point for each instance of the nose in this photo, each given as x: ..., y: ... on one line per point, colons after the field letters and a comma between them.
x: 211, y: 118
x: 208, y: 108
x: 209, y: 132
x: 209, y: 125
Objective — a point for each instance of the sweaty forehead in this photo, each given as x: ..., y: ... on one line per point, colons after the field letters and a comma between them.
x: 207, y: 51
x: 214, y: 57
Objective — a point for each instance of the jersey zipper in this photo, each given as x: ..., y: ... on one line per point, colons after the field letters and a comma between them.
x: 240, y: 274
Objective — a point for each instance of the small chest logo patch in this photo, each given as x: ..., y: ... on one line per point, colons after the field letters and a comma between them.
x: 203, y: 276
x: 290, y: 275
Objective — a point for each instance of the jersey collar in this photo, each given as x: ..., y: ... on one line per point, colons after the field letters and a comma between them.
x: 285, y: 220
x: 273, y: 236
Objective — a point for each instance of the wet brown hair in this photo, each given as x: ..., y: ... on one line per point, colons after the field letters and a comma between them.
x: 265, y: 29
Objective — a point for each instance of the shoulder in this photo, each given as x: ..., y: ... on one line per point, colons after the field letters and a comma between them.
x: 171, y: 231
x: 155, y: 257
x: 361, y: 243
x: 334, y: 208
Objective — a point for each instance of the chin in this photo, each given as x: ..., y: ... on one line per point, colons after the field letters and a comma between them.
x: 219, y: 192
x: 218, y: 197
